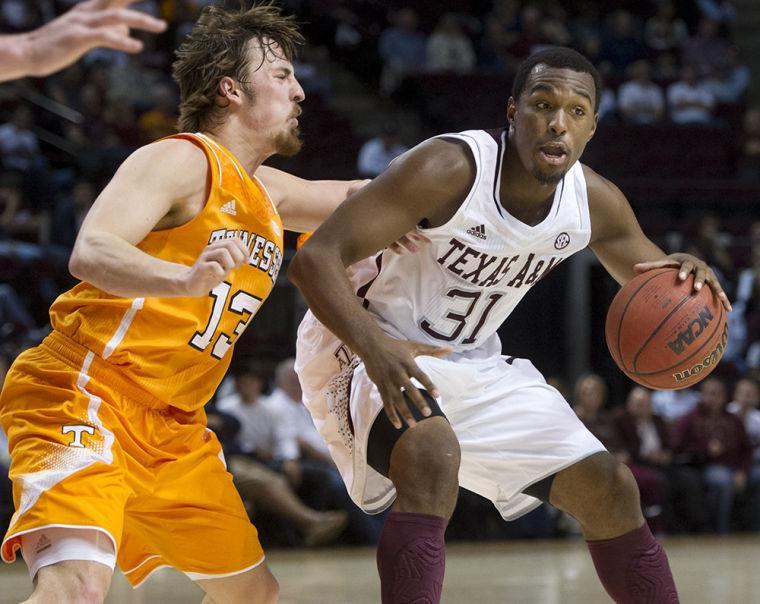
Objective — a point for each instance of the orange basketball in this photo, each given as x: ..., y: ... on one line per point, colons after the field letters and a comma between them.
x: 664, y: 335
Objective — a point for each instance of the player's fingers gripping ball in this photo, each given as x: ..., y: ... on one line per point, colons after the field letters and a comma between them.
x: 662, y: 334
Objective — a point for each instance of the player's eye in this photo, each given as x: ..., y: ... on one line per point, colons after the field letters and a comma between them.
x: 542, y: 105
x: 580, y: 112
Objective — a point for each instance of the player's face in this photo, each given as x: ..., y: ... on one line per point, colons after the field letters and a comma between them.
x: 273, y: 105
x: 552, y: 121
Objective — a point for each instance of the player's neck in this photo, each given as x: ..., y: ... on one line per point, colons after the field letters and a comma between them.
x: 520, y: 193
x: 518, y: 186
x: 244, y: 149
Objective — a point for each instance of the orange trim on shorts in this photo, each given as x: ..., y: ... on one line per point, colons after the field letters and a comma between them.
x: 73, y: 354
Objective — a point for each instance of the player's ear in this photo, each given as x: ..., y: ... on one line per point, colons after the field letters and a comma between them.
x: 229, y: 89
x: 593, y: 129
x: 511, y: 110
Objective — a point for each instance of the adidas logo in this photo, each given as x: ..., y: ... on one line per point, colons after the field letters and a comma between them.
x: 43, y: 544
x: 229, y: 208
x: 478, y: 231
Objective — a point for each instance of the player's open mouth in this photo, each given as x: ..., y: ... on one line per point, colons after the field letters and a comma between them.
x: 553, y: 153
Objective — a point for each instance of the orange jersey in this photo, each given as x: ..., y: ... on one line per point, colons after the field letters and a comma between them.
x: 178, y: 349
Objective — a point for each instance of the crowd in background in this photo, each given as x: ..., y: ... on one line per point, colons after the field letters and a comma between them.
x: 695, y: 454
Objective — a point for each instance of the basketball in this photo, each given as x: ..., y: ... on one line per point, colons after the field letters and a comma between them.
x: 664, y: 335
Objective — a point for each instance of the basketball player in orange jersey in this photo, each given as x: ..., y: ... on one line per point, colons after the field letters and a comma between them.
x: 415, y: 336
x: 111, y: 457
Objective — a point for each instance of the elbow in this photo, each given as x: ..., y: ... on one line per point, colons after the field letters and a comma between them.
x: 297, y: 267
x: 76, y: 265
x: 79, y: 265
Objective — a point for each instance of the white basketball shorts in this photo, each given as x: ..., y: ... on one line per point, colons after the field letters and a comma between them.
x: 513, y: 428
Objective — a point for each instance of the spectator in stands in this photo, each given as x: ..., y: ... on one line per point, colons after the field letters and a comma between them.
x: 746, y: 406
x: 665, y: 32
x: 501, y: 32
x: 262, y: 460
x: 590, y: 396
x: 585, y: 29
x: 714, y: 442
x: 749, y: 160
x: 531, y: 36
x: 644, y: 442
x: 266, y: 490
x: 312, y: 455
x: 672, y: 405
x: 689, y: 103
x: 449, y: 48
x: 707, y: 50
x: 19, y: 146
x: 378, y: 152
x: 621, y: 44
x: 640, y: 100
x: 402, y: 49
x: 730, y: 81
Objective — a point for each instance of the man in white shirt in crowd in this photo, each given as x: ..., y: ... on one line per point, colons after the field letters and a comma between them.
x: 308, y: 458
x: 689, y: 101
x: 640, y: 100
x: 378, y: 152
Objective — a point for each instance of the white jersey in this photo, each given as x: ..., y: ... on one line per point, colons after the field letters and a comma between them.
x: 459, y: 289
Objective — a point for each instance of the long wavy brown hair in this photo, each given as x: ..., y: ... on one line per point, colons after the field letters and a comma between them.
x: 217, y: 47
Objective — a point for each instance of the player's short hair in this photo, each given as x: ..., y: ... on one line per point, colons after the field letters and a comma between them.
x: 559, y: 57
x: 217, y: 47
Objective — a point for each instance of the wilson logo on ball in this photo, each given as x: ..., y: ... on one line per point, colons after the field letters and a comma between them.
x: 692, y: 331
x: 709, y: 361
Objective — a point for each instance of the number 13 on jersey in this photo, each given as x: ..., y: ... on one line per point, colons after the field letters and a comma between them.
x: 241, y: 303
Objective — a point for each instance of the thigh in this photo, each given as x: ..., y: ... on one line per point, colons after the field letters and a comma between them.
x: 192, y: 518
x: 514, y: 429
x: 67, y: 468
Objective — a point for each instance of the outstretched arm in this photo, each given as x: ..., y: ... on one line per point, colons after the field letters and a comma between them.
x: 428, y: 182
x: 62, y: 41
x: 624, y: 249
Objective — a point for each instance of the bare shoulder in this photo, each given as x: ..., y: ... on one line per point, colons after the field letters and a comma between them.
x: 445, y: 158
x: 601, y: 191
x: 174, y: 162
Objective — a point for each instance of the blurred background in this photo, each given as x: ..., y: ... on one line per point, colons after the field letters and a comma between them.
x: 679, y: 134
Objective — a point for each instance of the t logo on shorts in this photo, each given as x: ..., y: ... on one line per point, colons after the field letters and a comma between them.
x: 77, y: 430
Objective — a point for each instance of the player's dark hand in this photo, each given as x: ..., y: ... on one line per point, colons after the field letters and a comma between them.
x: 689, y: 264
x: 391, y: 366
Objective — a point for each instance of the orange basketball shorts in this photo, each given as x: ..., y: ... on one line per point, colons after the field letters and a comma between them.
x: 91, y: 449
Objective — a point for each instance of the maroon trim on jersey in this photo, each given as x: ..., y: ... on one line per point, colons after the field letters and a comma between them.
x: 362, y: 291
x: 498, y: 136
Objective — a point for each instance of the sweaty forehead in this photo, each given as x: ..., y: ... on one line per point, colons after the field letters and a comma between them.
x: 542, y: 76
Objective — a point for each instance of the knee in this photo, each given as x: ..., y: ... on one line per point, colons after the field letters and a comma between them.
x: 610, y: 485
x: 426, y: 459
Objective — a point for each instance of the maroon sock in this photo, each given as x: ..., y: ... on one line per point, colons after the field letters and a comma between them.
x: 634, y: 568
x: 411, y: 558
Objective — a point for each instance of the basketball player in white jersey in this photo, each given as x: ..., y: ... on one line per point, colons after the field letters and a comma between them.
x: 501, y: 210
